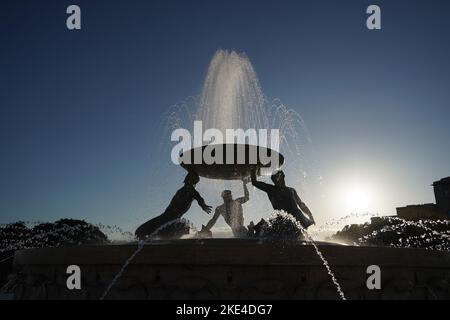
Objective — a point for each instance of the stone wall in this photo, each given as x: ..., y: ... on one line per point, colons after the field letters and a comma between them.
x: 231, y: 269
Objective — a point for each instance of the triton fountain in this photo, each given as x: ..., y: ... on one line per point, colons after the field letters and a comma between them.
x: 233, y: 268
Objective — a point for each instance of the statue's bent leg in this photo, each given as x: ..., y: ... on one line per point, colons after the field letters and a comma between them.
x: 152, y: 225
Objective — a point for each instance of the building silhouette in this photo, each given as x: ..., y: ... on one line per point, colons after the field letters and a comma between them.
x: 438, y: 210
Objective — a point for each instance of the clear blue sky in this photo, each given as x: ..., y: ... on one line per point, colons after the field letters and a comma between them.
x: 80, y: 111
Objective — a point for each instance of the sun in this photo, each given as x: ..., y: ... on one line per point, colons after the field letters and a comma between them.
x: 357, y: 198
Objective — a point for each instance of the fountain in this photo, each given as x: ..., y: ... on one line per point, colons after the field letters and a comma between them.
x: 253, y: 268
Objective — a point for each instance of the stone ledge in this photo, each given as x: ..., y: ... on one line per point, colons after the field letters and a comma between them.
x: 233, y: 252
x: 231, y: 269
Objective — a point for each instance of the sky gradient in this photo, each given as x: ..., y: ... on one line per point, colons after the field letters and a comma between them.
x: 81, y: 111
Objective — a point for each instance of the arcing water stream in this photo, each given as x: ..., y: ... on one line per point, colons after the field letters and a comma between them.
x: 140, y: 246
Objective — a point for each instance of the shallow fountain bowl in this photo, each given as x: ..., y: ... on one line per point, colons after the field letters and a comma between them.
x: 231, y: 170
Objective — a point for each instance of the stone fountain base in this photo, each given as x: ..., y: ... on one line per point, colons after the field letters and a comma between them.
x: 231, y: 269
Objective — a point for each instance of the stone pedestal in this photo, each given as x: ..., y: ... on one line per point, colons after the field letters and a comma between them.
x: 231, y: 269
